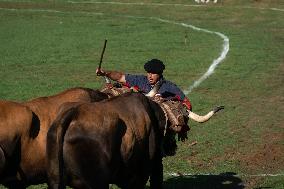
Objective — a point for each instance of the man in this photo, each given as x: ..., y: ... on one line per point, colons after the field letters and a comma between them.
x: 154, y: 69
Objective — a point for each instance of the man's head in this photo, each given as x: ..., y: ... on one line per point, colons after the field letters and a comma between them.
x: 154, y: 69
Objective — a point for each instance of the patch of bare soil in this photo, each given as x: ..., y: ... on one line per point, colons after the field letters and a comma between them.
x: 267, y: 159
x: 268, y: 155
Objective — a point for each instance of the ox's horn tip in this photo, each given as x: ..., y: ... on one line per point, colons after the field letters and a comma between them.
x: 218, y: 108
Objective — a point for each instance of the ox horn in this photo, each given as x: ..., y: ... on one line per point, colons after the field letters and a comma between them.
x: 155, y: 89
x: 206, y: 117
x: 107, y: 80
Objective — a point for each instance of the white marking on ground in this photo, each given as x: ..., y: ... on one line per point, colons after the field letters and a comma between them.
x: 225, y: 175
x: 165, y: 4
x: 52, y: 11
x: 274, y: 9
x: 215, y: 62
x: 135, y: 3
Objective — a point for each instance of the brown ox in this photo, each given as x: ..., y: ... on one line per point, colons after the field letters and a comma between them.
x: 18, y: 128
x: 23, y: 130
x: 116, y: 141
x: 113, y: 141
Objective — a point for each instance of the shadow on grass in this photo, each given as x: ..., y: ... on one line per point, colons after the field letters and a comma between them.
x: 226, y: 180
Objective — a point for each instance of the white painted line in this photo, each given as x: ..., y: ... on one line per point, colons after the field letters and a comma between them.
x: 166, y: 4
x: 276, y: 9
x: 273, y: 9
x: 52, y: 11
x: 215, y: 62
x: 157, y: 4
x: 136, y: 3
x: 225, y: 175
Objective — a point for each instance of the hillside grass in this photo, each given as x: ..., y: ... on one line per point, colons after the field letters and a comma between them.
x: 48, y: 46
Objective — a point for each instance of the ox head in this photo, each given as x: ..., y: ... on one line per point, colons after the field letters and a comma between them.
x: 177, y: 117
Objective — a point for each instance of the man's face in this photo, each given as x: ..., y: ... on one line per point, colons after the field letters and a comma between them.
x: 153, y: 78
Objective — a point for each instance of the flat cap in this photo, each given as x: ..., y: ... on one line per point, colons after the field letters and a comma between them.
x: 154, y: 66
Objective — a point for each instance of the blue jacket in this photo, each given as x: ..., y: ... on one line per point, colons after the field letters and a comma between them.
x: 167, y: 90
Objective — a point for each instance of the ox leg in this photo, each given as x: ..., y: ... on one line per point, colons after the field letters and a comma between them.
x: 2, y: 160
x: 11, y: 184
x: 81, y: 183
x: 136, y: 180
x: 15, y: 185
x: 136, y: 183
x: 156, y: 178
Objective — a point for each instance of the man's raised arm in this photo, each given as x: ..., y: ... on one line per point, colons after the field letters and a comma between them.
x: 113, y: 75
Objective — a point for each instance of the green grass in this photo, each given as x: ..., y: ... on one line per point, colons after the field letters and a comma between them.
x: 44, y: 52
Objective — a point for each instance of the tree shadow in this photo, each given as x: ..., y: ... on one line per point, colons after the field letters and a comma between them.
x: 227, y: 180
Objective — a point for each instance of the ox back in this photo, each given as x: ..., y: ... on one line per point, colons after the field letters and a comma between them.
x: 30, y: 167
x: 116, y: 141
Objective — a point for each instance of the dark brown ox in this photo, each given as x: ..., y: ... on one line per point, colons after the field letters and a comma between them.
x: 23, y: 130
x: 116, y: 141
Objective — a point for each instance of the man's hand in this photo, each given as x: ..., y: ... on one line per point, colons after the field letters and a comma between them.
x: 113, y: 75
x: 100, y: 72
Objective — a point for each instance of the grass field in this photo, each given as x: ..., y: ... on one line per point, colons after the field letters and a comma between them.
x: 49, y: 46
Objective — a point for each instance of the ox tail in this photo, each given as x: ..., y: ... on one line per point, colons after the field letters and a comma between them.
x: 206, y: 117
x: 54, y: 148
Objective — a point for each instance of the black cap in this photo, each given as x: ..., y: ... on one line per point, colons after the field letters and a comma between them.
x: 154, y: 66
